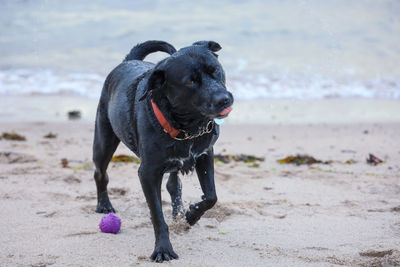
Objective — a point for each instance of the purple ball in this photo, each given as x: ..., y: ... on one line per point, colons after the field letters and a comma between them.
x: 110, y: 223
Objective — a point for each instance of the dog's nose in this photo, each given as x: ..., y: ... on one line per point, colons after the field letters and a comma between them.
x: 221, y: 100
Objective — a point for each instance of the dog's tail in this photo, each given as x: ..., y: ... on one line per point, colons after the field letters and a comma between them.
x: 140, y: 51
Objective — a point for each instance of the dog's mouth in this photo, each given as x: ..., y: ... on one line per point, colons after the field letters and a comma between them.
x: 224, y: 113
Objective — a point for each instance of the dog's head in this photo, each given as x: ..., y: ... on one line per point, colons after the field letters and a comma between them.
x: 192, y: 81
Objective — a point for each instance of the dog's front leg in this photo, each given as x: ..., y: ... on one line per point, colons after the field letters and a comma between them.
x: 205, y: 173
x: 150, y: 180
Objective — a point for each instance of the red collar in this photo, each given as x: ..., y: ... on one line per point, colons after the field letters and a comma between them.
x: 163, y: 121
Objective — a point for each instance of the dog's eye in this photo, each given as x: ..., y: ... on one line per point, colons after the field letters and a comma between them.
x: 211, y: 69
x: 190, y: 82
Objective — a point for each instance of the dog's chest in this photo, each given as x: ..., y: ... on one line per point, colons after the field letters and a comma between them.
x: 183, y: 158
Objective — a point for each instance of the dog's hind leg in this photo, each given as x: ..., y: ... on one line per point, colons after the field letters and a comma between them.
x: 174, y: 187
x: 205, y: 173
x: 104, y: 145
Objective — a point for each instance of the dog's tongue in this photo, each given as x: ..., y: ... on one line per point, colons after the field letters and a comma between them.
x: 225, y: 111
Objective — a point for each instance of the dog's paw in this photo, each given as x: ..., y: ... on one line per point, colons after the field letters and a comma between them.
x: 163, y: 253
x: 105, y: 209
x: 191, y: 215
x: 104, y: 204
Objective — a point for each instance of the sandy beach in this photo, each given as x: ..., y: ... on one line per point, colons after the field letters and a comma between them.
x: 346, y: 212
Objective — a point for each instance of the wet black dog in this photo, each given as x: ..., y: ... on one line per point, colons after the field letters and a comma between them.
x: 165, y: 114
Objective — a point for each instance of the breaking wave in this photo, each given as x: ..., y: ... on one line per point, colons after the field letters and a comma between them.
x: 243, y: 86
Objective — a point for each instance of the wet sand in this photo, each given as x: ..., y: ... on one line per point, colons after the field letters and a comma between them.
x: 271, y: 215
x: 54, y: 108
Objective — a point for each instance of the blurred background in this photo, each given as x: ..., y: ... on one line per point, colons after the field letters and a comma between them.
x: 294, y: 49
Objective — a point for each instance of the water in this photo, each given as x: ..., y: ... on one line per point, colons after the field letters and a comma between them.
x: 271, y: 49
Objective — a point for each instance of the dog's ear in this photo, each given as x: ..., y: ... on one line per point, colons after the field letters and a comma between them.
x: 211, y: 45
x: 155, y: 82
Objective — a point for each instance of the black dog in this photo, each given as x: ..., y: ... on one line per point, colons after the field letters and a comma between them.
x: 165, y: 114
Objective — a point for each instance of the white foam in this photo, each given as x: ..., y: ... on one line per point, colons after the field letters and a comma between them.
x: 252, y: 86
x: 243, y: 86
x: 25, y: 81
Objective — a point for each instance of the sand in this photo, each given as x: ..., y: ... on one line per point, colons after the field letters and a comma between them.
x: 271, y: 215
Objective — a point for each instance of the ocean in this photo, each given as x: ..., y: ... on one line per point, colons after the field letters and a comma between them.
x: 293, y: 49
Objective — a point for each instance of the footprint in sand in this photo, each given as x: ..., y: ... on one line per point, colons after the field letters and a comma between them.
x: 219, y: 212
x: 89, y: 209
x: 86, y: 197
x: 13, y: 157
x: 118, y: 191
x: 70, y: 179
x: 389, y: 257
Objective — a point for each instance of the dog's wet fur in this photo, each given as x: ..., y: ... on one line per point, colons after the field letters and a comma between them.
x: 189, y: 88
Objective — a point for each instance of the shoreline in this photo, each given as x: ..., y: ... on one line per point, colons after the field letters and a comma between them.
x: 261, y: 111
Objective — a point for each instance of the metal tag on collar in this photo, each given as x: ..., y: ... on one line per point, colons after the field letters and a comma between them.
x: 219, y: 121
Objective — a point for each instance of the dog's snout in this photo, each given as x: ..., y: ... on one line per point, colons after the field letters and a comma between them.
x: 221, y: 100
